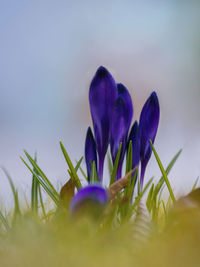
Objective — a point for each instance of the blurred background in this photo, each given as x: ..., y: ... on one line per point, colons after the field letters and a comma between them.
x: 49, y: 52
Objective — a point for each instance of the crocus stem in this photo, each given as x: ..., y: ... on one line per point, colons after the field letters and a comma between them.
x: 119, y: 172
x: 101, y: 162
x: 143, y: 169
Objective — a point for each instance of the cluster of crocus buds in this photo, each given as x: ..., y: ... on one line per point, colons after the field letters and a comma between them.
x: 112, y: 112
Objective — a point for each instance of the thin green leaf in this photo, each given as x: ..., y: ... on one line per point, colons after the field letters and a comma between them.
x: 14, y: 191
x: 128, y: 194
x: 34, y: 194
x: 4, y: 221
x: 83, y: 173
x: 138, y: 186
x: 164, y: 208
x: 133, y: 182
x: 41, y: 174
x: 41, y: 201
x: 34, y: 191
x: 93, y: 177
x: 160, y: 193
x: 163, y: 173
x: 129, y: 189
x: 129, y: 157
x: 71, y: 167
x: 78, y: 163
x: 54, y: 197
x: 168, y: 169
x: 149, y: 198
x: 138, y: 198
x: 113, y: 175
x: 195, y: 184
x: 168, y: 204
x: 17, y: 210
x: 10, y: 181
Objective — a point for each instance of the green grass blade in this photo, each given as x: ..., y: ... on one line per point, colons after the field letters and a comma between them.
x: 71, y: 167
x: 34, y: 194
x: 34, y: 191
x: 113, y: 175
x: 14, y: 191
x: 78, y: 166
x: 78, y: 163
x: 168, y: 169
x: 129, y: 157
x: 17, y: 209
x: 163, y: 173
x: 164, y: 208
x: 149, y: 198
x: 53, y: 196
x: 138, y: 186
x: 168, y: 204
x: 41, y: 201
x: 195, y: 184
x: 10, y: 181
x: 128, y: 194
x: 83, y: 173
x: 4, y: 221
x: 138, y: 198
x: 160, y: 193
x: 172, y: 162
x: 133, y: 183
x: 93, y: 177
x: 41, y: 174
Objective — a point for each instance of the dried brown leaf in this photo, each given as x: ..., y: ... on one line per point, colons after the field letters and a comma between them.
x: 116, y: 187
x: 66, y: 193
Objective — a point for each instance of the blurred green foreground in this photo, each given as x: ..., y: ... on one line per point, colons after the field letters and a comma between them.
x: 81, y: 241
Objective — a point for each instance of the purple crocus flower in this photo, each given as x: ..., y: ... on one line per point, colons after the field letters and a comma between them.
x: 134, y: 136
x: 93, y: 193
x: 90, y: 152
x: 120, y: 123
x: 149, y: 119
x: 124, y: 94
x: 102, y: 96
x: 118, y: 132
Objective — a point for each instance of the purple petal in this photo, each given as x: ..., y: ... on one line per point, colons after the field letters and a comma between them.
x: 149, y: 120
x: 134, y: 136
x: 124, y: 94
x: 102, y: 95
x: 91, y: 193
x: 90, y: 151
x: 118, y: 132
x: 120, y: 123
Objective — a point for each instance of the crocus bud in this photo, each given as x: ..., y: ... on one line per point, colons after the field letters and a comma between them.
x: 102, y: 96
x: 118, y: 132
x: 120, y: 123
x: 93, y: 195
x: 124, y: 94
x: 90, y: 152
x: 149, y: 119
x: 134, y: 136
